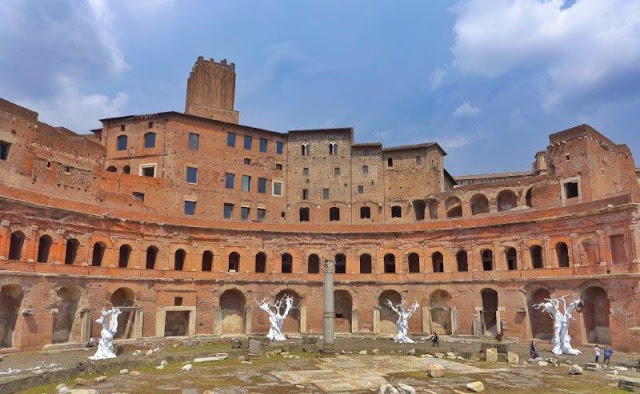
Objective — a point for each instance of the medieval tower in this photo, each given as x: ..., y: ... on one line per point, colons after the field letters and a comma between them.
x: 211, y: 90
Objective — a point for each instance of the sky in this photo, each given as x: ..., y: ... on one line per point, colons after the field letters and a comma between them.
x: 488, y: 80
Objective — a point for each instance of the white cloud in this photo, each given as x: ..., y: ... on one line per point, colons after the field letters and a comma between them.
x: 103, y: 22
x: 437, y: 77
x: 584, y: 47
x: 74, y: 109
x: 466, y: 110
x: 454, y: 141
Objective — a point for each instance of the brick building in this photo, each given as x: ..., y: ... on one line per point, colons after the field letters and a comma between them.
x: 187, y: 220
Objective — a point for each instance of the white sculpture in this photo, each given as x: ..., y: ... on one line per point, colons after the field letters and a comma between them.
x: 109, y: 321
x: 404, y: 314
x: 277, y: 316
x: 561, y: 338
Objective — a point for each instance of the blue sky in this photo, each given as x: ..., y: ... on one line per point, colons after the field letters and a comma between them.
x: 487, y: 79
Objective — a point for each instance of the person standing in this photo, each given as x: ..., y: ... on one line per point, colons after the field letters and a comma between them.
x: 607, y: 355
x: 435, y: 340
x: 596, y: 352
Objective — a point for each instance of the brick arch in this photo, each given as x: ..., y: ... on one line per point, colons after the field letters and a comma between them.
x: 588, y: 257
x: 100, y: 238
x: 592, y: 283
x: 405, y: 259
x: 428, y: 260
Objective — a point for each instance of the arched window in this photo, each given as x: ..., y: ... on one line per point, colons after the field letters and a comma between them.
x: 462, y: 262
x: 234, y: 262
x: 261, y: 262
x: 562, y: 254
x: 414, y: 263
x: 365, y: 213
x: 98, y: 254
x: 126, y: 169
x: 150, y: 140
x: 121, y: 142
x: 306, y: 149
x: 506, y: 200
x: 313, y: 264
x: 152, y: 255
x: 334, y: 214
x: 304, y: 214
x: 71, y: 251
x: 287, y: 263
x: 16, y: 244
x: 454, y: 207
x: 528, y: 198
x: 479, y: 204
x: 207, y: 261
x: 333, y: 148
x: 396, y: 211
x: 123, y: 258
x: 487, y: 260
x: 365, y: 263
x: 389, y: 263
x: 179, y: 258
x: 112, y: 169
x: 536, y: 256
x: 438, y: 262
x: 44, y: 246
x: 341, y: 264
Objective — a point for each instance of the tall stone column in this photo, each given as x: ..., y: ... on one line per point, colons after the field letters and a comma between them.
x: 248, y: 319
x: 329, y: 309
x: 303, y: 320
x: 376, y: 319
x: 454, y: 321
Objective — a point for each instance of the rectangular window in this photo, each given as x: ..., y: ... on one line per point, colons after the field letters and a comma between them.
x: 247, y: 161
x: 361, y: 189
x: 305, y: 194
x: 247, y: 142
x: 278, y: 166
x: 189, y: 207
x: 139, y: 196
x: 192, y: 175
x: 325, y: 194
x: 244, y: 213
x: 277, y: 188
x: 365, y: 169
x: 4, y: 150
x: 279, y: 147
x: 262, y: 213
x: 194, y: 141
x: 263, y: 144
x: 229, y: 180
x: 305, y: 171
x: 418, y: 160
x: 365, y: 152
x: 262, y: 185
x: 336, y: 171
x: 150, y: 125
x: 231, y: 139
x: 228, y: 211
x: 148, y: 170
x: 571, y: 189
x: 246, y: 183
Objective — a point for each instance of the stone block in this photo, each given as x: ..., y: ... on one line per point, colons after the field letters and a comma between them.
x: 513, y: 358
x: 629, y: 384
x: 476, y: 387
x: 592, y: 367
x: 491, y: 355
x: 254, y: 346
x: 435, y: 370
x: 575, y: 370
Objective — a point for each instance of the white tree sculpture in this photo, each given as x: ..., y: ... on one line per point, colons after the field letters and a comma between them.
x: 561, y: 338
x: 277, y: 316
x: 404, y: 314
x: 109, y: 321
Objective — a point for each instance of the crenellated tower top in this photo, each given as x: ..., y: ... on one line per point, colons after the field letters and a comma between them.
x: 211, y: 90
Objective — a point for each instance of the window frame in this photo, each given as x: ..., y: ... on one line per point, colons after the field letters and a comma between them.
x: 273, y: 188
x: 231, y: 139
x: 227, y: 207
x: 146, y: 140
x: 125, y: 138
x: 190, y: 206
x: 247, y: 142
x: 187, y: 175
x: 231, y: 185
x: 142, y: 167
x: 263, y: 145
x: 190, y: 142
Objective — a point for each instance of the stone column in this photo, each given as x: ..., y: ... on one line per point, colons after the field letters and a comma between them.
x: 217, y: 320
x: 635, y: 246
x: 137, y: 326
x: 603, y: 247
x: 248, y: 321
x: 546, y: 252
x: 329, y: 307
x: 499, y: 319
x: 354, y: 319
x: 478, y: 322
x: 454, y: 321
x: 85, y: 328
x: 5, y: 237
x: 426, y: 320
x: 161, y: 315
x: 376, y: 319
x: 303, y: 320
x: 573, y: 258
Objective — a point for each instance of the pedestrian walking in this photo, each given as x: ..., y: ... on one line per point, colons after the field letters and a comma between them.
x: 435, y: 340
x: 596, y: 352
x: 533, y: 350
x: 607, y: 355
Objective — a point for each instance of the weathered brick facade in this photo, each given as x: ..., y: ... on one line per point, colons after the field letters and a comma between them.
x: 187, y: 220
